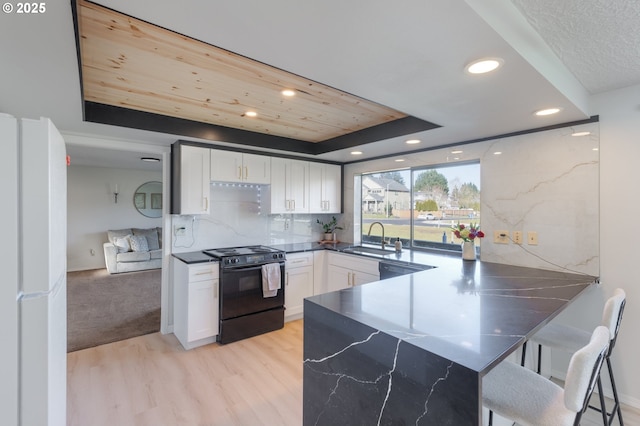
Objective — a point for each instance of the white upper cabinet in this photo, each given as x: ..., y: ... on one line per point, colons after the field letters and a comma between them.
x: 289, y: 186
x: 193, y: 186
x: 325, y: 188
x: 231, y: 166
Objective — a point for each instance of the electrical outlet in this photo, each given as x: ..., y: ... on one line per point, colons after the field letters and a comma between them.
x: 532, y: 238
x: 501, y: 237
x: 180, y: 231
x: 517, y: 237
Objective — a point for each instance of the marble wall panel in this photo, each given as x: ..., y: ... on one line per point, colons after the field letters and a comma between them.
x: 545, y: 182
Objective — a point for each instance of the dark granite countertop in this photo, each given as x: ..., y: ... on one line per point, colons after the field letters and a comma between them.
x: 405, y: 256
x: 194, y: 257
x: 470, y: 312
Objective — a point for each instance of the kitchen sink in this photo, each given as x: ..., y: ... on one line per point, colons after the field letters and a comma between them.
x: 368, y: 250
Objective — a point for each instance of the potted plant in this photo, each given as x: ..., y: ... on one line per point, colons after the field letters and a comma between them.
x: 329, y: 228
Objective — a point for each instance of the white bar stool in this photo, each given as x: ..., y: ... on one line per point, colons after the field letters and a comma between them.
x: 570, y: 339
x: 528, y: 398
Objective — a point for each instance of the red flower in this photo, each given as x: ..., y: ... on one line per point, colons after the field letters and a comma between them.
x: 480, y: 234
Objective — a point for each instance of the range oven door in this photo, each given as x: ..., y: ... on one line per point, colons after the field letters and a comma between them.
x: 241, y: 292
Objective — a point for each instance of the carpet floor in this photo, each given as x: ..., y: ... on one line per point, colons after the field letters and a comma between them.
x: 104, y: 308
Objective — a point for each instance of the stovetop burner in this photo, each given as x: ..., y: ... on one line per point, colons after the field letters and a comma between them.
x: 251, y: 255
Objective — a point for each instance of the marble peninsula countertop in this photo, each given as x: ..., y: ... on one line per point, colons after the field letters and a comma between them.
x: 413, y: 349
x: 470, y: 312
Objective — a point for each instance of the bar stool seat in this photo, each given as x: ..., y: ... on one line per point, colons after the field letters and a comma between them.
x: 571, y: 339
x: 527, y: 398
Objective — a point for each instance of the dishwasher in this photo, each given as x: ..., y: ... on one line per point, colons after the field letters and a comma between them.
x: 395, y: 269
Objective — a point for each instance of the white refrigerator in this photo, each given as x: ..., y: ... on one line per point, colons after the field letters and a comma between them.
x: 33, y: 302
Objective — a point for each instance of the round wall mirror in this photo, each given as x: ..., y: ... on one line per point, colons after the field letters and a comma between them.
x: 148, y: 199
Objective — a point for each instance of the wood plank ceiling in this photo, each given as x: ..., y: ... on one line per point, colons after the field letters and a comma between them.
x: 132, y: 64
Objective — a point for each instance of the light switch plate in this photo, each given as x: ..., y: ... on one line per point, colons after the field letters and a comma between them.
x: 517, y: 237
x: 532, y: 238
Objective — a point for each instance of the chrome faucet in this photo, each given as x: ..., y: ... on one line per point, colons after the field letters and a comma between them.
x: 384, y: 242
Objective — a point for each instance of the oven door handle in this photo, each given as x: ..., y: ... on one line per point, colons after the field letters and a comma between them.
x: 246, y: 268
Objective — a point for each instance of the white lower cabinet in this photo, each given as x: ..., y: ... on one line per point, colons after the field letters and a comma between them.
x: 298, y: 283
x: 196, y: 303
x: 345, y: 271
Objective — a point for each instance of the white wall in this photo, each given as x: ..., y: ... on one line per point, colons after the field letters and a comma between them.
x: 619, y: 206
x: 91, y: 210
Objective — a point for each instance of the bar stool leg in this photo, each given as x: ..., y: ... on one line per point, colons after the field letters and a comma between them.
x: 605, y: 419
x: 616, y: 401
x: 539, y: 358
x: 524, y: 353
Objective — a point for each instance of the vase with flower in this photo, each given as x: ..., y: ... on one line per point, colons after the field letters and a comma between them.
x: 468, y: 234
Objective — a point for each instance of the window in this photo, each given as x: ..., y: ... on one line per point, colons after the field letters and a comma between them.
x: 421, y: 205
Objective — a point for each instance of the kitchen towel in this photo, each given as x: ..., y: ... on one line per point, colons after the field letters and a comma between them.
x: 270, y: 279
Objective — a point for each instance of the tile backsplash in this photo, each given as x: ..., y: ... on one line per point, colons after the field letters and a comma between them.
x: 240, y: 217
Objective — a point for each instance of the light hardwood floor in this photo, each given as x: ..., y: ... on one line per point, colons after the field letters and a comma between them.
x: 150, y: 380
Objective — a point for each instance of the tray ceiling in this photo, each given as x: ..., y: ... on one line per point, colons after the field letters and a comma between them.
x: 135, y: 73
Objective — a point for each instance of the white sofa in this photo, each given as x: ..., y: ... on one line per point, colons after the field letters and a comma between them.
x: 133, y: 249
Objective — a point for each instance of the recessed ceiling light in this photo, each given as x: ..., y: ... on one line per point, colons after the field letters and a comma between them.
x: 413, y: 141
x: 595, y: 149
x: 547, y: 111
x: 399, y: 160
x: 251, y: 114
x: 288, y: 92
x: 497, y: 153
x: 482, y: 66
x: 457, y: 151
x: 150, y: 159
x: 356, y: 152
x: 580, y: 133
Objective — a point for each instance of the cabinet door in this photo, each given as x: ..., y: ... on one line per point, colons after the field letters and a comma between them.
x: 279, y: 200
x: 289, y: 186
x: 338, y: 278
x: 325, y: 188
x: 256, y: 168
x: 332, y: 188
x: 298, y: 186
x: 194, y: 180
x: 203, y: 309
x: 359, y: 278
x: 299, y: 284
x: 226, y: 166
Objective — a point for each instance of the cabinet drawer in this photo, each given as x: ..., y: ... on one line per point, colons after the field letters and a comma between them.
x: 298, y: 260
x: 355, y: 263
x: 202, y: 272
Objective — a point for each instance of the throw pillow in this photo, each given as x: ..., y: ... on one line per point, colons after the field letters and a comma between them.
x: 151, y: 235
x: 138, y: 243
x: 122, y: 243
